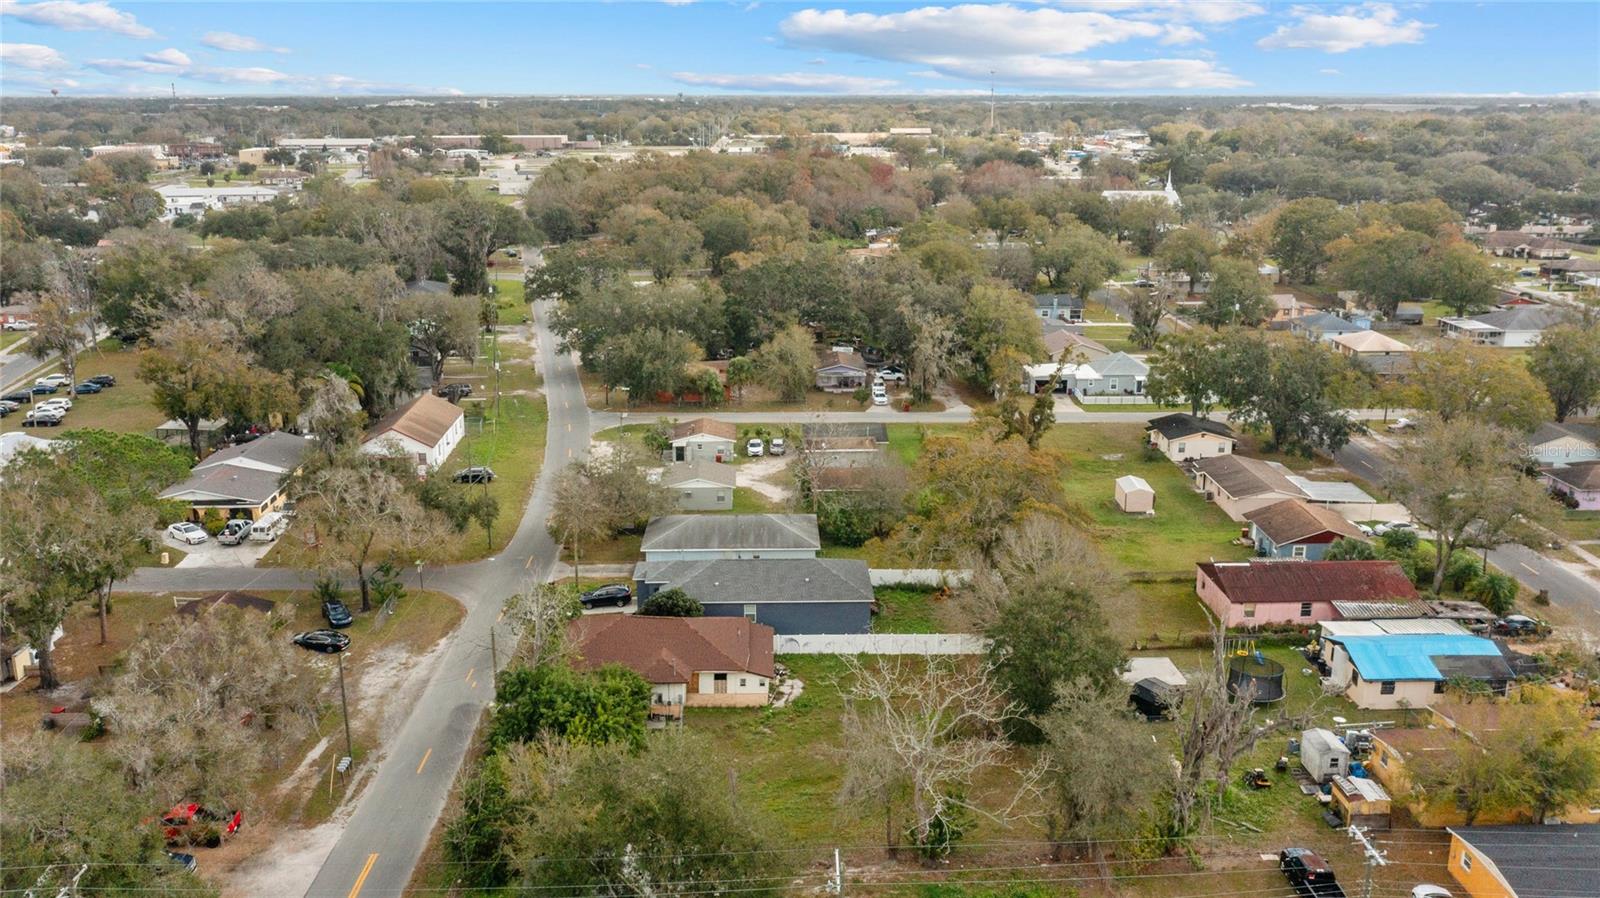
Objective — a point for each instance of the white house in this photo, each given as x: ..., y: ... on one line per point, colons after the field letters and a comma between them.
x: 426, y: 429
x: 714, y: 662
x: 1517, y: 326
x: 1167, y: 194
x: 1564, y: 444
x: 197, y: 201
x: 703, y: 439
x: 1182, y: 436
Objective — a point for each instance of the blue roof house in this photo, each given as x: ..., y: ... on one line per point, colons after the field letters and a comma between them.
x: 1411, y: 669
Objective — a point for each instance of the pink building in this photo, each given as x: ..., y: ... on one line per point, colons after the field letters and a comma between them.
x: 1266, y: 593
x: 1580, y: 481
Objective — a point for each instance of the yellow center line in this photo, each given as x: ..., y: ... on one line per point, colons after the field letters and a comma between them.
x: 569, y: 453
x: 362, y: 879
x: 470, y: 673
x: 569, y: 428
x: 424, y: 762
x: 502, y: 614
x: 473, y: 685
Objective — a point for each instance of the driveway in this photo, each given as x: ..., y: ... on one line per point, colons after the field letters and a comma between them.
x: 212, y: 554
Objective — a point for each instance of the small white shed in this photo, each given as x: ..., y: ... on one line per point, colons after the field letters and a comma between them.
x: 1323, y: 755
x: 1134, y: 495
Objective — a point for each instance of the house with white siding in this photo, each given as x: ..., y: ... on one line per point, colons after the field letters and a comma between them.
x: 1564, y: 443
x: 426, y: 430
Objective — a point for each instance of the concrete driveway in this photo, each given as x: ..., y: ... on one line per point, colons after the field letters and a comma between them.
x: 212, y: 554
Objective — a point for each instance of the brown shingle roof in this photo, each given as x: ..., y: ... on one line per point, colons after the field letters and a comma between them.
x: 670, y: 649
x: 1241, y: 477
x: 1266, y: 582
x: 425, y: 419
x: 833, y: 358
x: 1584, y: 475
x: 1293, y: 520
x: 708, y: 426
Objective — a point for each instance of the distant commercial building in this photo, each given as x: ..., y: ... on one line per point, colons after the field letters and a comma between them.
x: 197, y: 201
x: 525, y: 141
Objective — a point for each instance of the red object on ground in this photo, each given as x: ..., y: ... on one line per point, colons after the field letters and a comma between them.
x: 59, y: 709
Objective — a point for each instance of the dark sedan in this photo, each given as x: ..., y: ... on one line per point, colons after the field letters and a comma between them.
x: 22, y: 396
x: 337, y: 614
x: 41, y: 389
x: 86, y: 388
x: 328, y: 642
x: 616, y: 595
x: 104, y: 380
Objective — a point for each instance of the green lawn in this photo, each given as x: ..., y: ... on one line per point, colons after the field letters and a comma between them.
x: 124, y: 408
x: 907, y: 609
x: 509, y: 300
x: 1185, y: 528
x: 512, y: 443
x: 1115, y: 339
x: 7, y: 338
x: 1578, y: 524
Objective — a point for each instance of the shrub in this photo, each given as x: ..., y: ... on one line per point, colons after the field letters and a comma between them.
x: 672, y: 603
x: 844, y: 524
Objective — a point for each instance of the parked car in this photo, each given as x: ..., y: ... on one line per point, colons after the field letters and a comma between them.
x: 58, y: 379
x: 235, y: 532
x: 60, y: 402
x: 44, y: 417
x: 893, y: 373
x: 87, y: 388
x: 188, y: 532
x: 186, y: 861
x: 20, y: 326
x: 777, y: 446
x: 7, y: 406
x: 755, y: 448
x: 474, y: 474
x: 616, y: 594
x: 337, y: 614
x: 1365, y: 530
x: 879, y: 397
x: 1309, y: 873
x: 453, y: 392
x: 1516, y: 625
x: 42, y: 389
x: 328, y: 642
x: 1400, y: 424
x: 104, y: 380
x: 20, y: 396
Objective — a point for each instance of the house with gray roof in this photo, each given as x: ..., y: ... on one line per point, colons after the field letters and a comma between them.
x: 707, y: 537
x: 243, y: 481
x: 1564, y: 443
x: 1515, y: 326
x: 1532, y: 861
x: 790, y: 595
x: 1326, y: 326
x: 701, y: 485
x: 1058, y: 306
x: 1120, y: 375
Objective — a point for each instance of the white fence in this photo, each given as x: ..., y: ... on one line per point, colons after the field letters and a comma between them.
x: 922, y: 576
x: 1113, y: 400
x: 881, y: 644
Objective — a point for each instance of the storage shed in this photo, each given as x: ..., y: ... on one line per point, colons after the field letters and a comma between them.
x: 1323, y: 755
x: 1361, y: 802
x: 1134, y: 495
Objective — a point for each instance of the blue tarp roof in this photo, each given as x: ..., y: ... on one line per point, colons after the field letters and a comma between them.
x: 1409, y: 656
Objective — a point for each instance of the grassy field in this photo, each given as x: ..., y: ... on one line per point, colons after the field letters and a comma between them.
x: 512, y: 443
x: 510, y: 300
x: 11, y: 338
x: 124, y: 408
x: 1583, y: 525
x: 1184, y: 529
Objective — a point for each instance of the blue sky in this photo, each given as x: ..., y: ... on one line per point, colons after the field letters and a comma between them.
x: 101, y: 47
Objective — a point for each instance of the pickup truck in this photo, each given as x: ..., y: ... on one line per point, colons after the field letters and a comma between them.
x: 1309, y: 873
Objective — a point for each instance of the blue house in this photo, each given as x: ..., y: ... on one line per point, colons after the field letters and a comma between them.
x: 1326, y: 326
x: 790, y: 595
x: 1296, y: 529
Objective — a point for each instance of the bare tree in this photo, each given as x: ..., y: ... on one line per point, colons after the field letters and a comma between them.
x: 927, y: 730
x: 357, y: 502
x: 538, y: 614
x: 1219, y: 724
x: 189, y: 723
x: 933, y: 350
x: 332, y: 413
x: 60, y: 329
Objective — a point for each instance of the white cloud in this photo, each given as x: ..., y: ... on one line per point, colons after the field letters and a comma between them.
x: 169, y: 56
x: 789, y: 82
x: 643, y: 65
x: 1182, y: 34
x: 70, y: 15
x: 37, y: 57
x: 1054, y: 73
x: 1329, y: 72
x: 1023, y: 47
x: 818, y: 60
x: 111, y: 66
x: 1351, y: 28
x: 968, y: 30
x: 1206, y: 12
x: 237, y: 43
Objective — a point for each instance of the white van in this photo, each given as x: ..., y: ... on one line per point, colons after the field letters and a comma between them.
x: 269, y: 527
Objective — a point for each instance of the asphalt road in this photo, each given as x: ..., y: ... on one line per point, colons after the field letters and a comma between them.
x: 392, y: 820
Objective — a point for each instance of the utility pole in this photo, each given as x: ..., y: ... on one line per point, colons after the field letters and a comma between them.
x: 1375, y: 858
x: 344, y: 706
x: 836, y: 881
x: 494, y: 661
